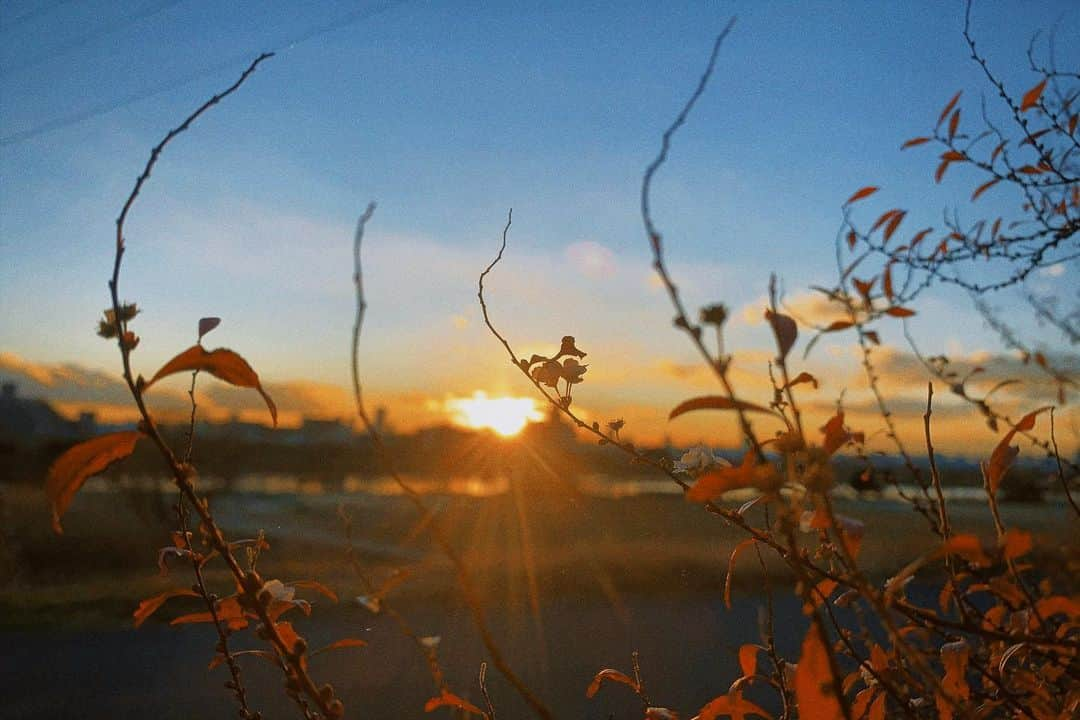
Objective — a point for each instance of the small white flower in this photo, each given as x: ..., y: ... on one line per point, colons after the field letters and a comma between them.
x: 431, y: 641
x: 371, y: 604
x: 279, y: 590
x: 658, y: 713
x: 699, y: 459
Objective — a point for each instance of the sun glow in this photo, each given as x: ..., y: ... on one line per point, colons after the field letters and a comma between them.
x: 505, y: 415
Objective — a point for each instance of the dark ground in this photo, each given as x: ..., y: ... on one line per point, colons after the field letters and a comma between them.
x: 612, y: 576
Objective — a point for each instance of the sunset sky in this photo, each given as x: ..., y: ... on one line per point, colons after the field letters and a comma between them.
x: 447, y: 115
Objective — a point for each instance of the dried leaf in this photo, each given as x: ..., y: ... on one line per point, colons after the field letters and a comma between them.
x: 969, y: 547
x: 897, y: 311
x: 948, y: 108
x: 733, y: 705
x: 886, y: 282
x: 719, y: 480
x: 1016, y: 543
x: 814, y: 689
x: 862, y: 193
x: 748, y: 659
x: 1031, y: 97
x: 1003, y: 455
x: 316, y: 586
x: 837, y: 325
x: 893, y: 224
x: 954, y: 123
x: 914, y: 141
x: 150, y: 605
x: 449, y: 699
x: 731, y: 568
x: 803, y: 377
x: 785, y: 330
x: 223, y: 364
x: 716, y: 402
x: 68, y: 473
x: 835, y: 434
x: 954, y: 658
x: 609, y: 675
x: 207, y: 324
x: 940, y: 172
x: 983, y: 188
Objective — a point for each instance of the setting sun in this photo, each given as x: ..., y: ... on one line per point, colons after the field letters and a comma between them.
x: 505, y: 415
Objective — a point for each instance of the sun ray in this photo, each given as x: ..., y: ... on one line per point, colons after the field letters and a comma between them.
x: 507, y: 416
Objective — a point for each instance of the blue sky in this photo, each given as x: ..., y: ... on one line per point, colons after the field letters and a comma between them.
x: 447, y: 115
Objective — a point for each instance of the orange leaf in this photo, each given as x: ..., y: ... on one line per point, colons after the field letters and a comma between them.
x: 748, y: 659
x: 814, y: 690
x: 862, y: 702
x: 940, y: 172
x: 821, y: 592
x: 954, y: 123
x: 1003, y: 455
x: 914, y: 141
x: 785, y: 330
x: 862, y: 193
x: 150, y: 605
x: 968, y: 547
x: 1016, y: 543
x: 731, y: 568
x: 835, y: 434
x: 954, y: 658
x: 1058, y: 605
x: 948, y: 108
x: 609, y: 676
x: 68, y: 473
x: 343, y: 643
x: 864, y: 286
x: 719, y: 480
x: 897, y: 311
x: 316, y: 586
x: 733, y: 705
x: 223, y: 364
x: 886, y: 282
x: 1031, y: 97
x: 838, y: 325
x: 803, y: 377
x: 983, y: 188
x: 715, y: 402
x: 288, y: 635
x: 450, y: 699
x: 228, y: 611
x: 919, y: 237
x: 884, y: 217
x: 894, y: 223
x: 877, y: 709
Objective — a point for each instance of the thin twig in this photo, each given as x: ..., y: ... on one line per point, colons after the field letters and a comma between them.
x: 468, y: 592
x: 249, y: 583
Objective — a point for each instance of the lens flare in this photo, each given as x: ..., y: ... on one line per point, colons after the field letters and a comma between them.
x: 504, y: 415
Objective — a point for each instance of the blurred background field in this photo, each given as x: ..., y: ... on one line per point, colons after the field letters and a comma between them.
x: 576, y: 575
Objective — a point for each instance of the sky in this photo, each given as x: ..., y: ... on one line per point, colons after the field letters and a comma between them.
x: 447, y: 115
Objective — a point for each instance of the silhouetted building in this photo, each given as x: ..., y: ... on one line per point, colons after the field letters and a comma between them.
x: 29, y: 422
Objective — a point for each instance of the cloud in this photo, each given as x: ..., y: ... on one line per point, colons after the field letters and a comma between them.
x: 591, y: 259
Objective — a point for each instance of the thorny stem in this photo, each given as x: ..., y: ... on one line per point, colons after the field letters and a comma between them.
x: 182, y: 473
x: 468, y: 591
